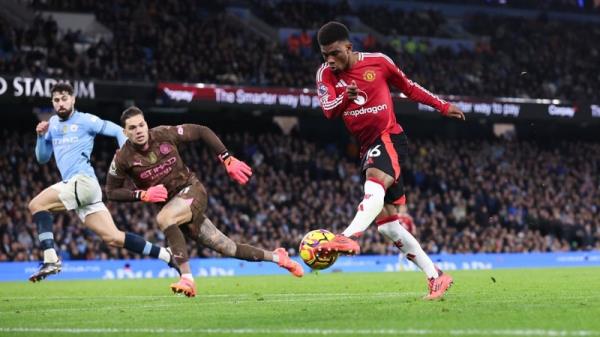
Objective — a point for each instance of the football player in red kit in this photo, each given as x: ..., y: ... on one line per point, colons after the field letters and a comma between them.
x: 356, y: 87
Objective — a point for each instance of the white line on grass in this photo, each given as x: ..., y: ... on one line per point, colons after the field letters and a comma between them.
x: 314, y: 331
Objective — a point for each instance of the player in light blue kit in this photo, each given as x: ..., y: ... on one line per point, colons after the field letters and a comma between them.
x: 70, y: 135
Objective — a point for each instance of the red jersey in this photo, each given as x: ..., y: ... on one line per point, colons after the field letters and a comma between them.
x: 371, y: 113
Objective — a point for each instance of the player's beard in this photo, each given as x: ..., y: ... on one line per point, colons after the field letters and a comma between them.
x: 64, y: 114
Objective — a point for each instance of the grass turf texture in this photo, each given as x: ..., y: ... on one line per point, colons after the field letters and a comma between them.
x: 523, y: 302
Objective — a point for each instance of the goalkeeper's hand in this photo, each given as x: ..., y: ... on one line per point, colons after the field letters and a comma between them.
x: 156, y: 193
x: 237, y: 169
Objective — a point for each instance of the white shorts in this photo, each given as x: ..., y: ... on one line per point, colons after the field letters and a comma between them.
x: 82, y: 194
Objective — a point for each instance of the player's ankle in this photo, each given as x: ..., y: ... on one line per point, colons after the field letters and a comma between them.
x: 50, y: 256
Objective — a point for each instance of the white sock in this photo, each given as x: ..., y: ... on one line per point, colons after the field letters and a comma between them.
x: 50, y: 255
x: 188, y: 276
x: 368, y: 209
x: 393, y: 230
x: 164, y: 255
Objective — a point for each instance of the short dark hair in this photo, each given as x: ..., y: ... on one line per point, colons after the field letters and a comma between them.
x: 331, y: 32
x: 130, y: 112
x: 61, y: 87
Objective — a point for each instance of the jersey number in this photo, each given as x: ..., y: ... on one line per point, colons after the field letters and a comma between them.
x: 374, y: 152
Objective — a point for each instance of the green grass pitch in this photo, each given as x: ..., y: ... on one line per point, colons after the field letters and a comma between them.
x: 519, y: 302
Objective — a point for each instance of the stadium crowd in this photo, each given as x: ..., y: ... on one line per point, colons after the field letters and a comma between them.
x: 192, y: 42
x: 465, y: 196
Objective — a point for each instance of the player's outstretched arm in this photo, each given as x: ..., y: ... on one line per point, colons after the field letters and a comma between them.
x: 417, y: 93
x: 111, y: 129
x: 455, y: 112
x: 43, y: 144
x: 237, y: 169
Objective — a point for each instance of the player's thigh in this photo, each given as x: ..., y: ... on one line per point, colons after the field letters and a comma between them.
x: 187, y: 206
x: 382, y: 160
x: 175, y: 212
x: 102, y: 223
x: 47, y: 200
x: 74, y: 194
x: 211, y: 237
x: 380, y: 176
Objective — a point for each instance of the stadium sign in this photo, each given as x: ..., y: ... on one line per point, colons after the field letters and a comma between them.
x: 283, y: 97
x: 306, y: 100
x: 40, y: 87
x: 482, y: 108
x: 211, y: 267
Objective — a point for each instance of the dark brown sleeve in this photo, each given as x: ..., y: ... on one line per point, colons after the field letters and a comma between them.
x: 194, y: 132
x: 115, y: 184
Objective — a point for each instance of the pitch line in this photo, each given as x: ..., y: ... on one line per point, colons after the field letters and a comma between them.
x: 313, y: 331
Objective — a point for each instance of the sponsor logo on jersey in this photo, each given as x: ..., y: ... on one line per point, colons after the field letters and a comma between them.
x: 112, y: 170
x: 65, y: 140
x: 361, y: 97
x: 369, y: 75
x: 366, y: 110
x: 160, y: 170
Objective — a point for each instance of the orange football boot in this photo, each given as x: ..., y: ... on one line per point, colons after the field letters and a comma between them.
x: 184, y: 286
x: 340, y: 244
x: 285, y: 262
x: 438, y: 286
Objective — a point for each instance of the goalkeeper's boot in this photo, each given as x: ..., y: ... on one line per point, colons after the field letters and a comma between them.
x: 438, y: 286
x: 340, y: 244
x: 46, y: 269
x: 184, y: 286
x: 285, y: 262
x: 172, y: 263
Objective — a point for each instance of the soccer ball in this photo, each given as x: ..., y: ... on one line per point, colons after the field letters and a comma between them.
x: 309, y: 253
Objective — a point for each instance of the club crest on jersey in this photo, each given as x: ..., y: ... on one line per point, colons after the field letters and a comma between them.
x: 369, y: 75
x: 152, y: 158
x: 164, y: 148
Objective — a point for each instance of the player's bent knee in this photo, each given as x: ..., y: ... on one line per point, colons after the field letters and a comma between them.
x: 113, y: 239
x: 164, y: 220
x: 36, y: 206
x: 33, y: 207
